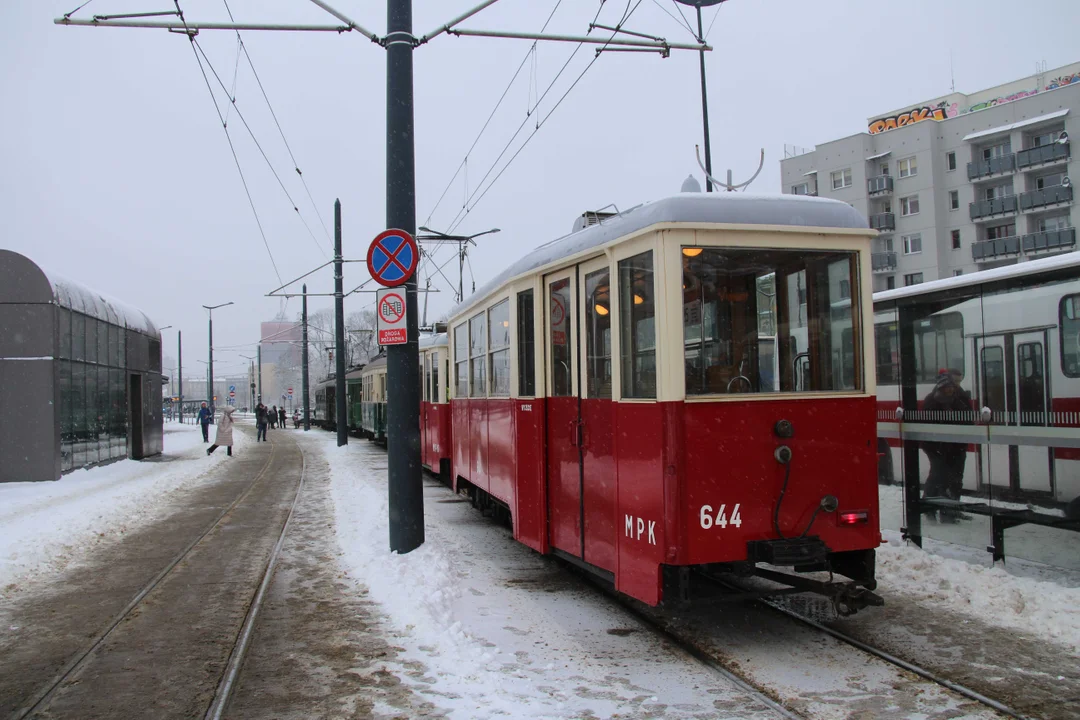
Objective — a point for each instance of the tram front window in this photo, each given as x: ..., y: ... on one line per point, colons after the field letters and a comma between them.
x: 768, y: 321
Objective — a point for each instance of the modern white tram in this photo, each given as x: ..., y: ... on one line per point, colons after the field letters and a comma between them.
x: 1010, y: 338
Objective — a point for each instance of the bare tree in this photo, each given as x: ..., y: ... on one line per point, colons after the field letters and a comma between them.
x: 361, y: 331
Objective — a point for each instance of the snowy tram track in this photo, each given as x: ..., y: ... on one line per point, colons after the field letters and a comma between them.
x: 195, y: 555
x: 474, y: 608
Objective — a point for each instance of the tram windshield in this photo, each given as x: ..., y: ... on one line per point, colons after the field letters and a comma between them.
x: 770, y: 321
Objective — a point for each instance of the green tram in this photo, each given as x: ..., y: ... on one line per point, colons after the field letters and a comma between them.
x: 324, y: 413
x: 372, y: 391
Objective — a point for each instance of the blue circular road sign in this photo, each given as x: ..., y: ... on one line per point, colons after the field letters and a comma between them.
x: 393, y: 257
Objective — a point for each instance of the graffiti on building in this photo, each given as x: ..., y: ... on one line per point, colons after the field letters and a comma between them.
x: 999, y: 101
x: 1063, y: 81
x: 937, y: 113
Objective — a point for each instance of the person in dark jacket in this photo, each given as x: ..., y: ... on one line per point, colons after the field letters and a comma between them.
x: 204, y: 422
x: 281, y: 417
x: 947, y: 404
x: 262, y: 419
x: 273, y: 417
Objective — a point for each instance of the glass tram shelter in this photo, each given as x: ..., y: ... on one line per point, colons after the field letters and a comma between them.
x: 80, y: 376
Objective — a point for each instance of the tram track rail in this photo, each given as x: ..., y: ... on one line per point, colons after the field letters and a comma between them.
x: 878, y: 653
x: 42, y: 698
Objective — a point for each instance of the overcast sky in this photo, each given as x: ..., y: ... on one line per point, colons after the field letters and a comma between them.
x: 116, y: 171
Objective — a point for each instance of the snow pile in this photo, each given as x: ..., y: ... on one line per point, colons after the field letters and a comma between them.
x: 47, y: 526
x: 418, y: 591
x: 991, y: 594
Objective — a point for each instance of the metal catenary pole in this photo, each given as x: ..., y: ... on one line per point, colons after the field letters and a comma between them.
x: 180, y: 373
x: 339, y: 332
x: 210, y: 370
x: 258, y: 354
x: 304, y: 366
x: 406, y: 491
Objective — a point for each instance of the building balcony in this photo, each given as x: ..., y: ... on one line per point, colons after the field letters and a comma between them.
x: 880, y: 185
x: 881, y: 262
x: 1050, y: 240
x: 990, y: 208
x: 987, y: 250
x: 883, y: 221
x: 1053, y: 195
x: 1044, y: 155
x: 993, y: 166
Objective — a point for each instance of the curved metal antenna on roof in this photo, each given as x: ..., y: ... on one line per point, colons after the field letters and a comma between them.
x: 728, y: 185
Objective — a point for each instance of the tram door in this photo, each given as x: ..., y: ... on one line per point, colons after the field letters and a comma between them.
x: 1012, y: 381
x: 580, y: 458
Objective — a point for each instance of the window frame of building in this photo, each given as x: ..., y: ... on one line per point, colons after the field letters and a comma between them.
x: 990, y: 152
x: 801, y: 189
x: 955, y: 236
x: 1050, y: 136
x: 1044, y: 227
x: 907, y: 167
x: 957, y: 273
x: 844, y: 176
x: 954, y: 200
x: 913, y: 279
x: 890, y: 282
x: 950, y: 161
x: 912, y: 243
x: 907, y: 203
x: 1041, y: 184
x: 992, y: 231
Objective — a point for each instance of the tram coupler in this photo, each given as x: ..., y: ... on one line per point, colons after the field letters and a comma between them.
x: 847, y: 597
x: 789, y: 552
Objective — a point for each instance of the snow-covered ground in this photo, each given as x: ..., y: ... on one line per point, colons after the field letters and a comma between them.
x: 48, y: 526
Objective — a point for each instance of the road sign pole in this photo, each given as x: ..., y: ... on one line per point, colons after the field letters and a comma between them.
x: 339, y: 332
x: 406, y: 490
x: 180, y: 373
x: 304, y: 367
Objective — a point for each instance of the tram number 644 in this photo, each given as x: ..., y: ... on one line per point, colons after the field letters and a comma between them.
x: 720, y: 520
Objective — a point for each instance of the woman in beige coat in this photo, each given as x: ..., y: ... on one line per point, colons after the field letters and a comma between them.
x: 224, y: 431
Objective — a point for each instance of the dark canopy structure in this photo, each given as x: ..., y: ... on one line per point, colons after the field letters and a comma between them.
x: 80, y: 375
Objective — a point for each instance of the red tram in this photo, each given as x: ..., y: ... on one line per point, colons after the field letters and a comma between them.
x: 685, y: 385
x: 434, y: 406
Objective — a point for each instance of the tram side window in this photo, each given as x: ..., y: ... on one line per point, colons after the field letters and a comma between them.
x: 598, y: 333
x: 425, y: 382
x: 477, y: 359
x: 562, y: 384
x: 1069, y: 327
x: 435, y: 377
x: 887, y: 343
x: 499, y: 348
x: 738, y: 302
x: 637, y: 336
x: 993, y: 372
x: 526, y: 346
x: 939, y: 345
x: 461, y: 361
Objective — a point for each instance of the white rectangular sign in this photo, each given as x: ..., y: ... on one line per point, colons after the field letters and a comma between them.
x: 390, y: 308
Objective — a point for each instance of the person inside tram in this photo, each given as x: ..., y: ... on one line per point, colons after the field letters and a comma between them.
x: 949, y: 404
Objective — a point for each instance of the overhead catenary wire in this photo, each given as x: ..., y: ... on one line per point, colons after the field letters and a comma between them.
x: 296, y: 165
x: 498, y: 104
x: 686, y: 23
x: 228, y: 137
x: 715, y: 15
x: 69, y: 14
x: 273, y: 170
x: 461, y: 218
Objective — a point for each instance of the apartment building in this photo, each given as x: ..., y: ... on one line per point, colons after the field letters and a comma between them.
x: 959, y: 183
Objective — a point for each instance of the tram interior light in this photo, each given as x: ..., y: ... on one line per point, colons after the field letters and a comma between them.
x: 601, y: 309
x: 638, y: 300
x: 691, y: 251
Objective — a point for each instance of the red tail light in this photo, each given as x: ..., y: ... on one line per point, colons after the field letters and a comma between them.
x: 854, y: 517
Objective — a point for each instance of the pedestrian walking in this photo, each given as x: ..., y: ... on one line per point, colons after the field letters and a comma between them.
x: 204, y: 422
x: 224, y: 432
x: 296, y: 419
x: 273, y: 417
x: 947, y: 404
x: 262, y: 419
x: 281, y: 417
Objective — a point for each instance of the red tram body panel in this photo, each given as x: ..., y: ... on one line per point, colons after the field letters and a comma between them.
x: 686, y: 385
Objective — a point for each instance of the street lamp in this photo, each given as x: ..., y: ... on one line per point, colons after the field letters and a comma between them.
x: 463, y: 249
x: 210, y: 365
x: 697, y: 5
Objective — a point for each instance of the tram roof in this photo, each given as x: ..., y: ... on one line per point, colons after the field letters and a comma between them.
x: 690, y: 208
x: 24, y: 281
x: 1009, y: 272
x: 435, y: 340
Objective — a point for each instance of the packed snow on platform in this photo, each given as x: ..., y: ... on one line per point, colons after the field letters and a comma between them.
x: 47, y: 526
